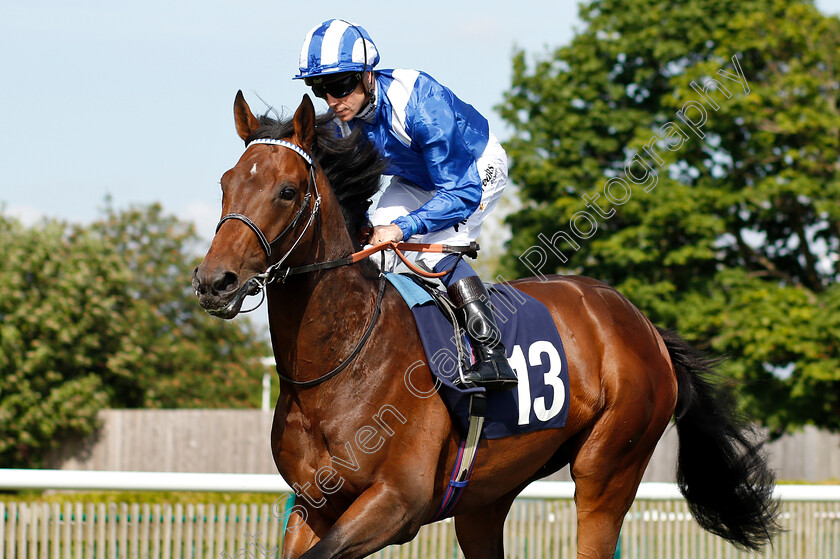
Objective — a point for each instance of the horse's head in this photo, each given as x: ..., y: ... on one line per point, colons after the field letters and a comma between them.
x: 269, y: 200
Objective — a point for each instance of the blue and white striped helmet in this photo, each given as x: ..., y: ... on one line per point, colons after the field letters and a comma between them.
x: 336, y: 46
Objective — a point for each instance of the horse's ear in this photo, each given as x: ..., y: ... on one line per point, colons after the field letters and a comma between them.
x: 246, y: 122
x: 305, y: 123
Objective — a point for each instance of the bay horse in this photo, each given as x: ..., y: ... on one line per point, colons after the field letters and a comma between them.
x: 370, y: 459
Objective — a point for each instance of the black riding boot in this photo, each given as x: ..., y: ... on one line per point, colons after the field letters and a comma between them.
x: 491, y: 369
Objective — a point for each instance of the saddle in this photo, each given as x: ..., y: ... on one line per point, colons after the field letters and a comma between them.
x: 541, y: 369
x: 534, y: 351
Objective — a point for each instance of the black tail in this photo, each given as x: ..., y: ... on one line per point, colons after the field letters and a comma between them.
x: 721, y: 471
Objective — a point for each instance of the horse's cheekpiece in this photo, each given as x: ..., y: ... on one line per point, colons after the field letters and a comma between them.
x: 534, y: 351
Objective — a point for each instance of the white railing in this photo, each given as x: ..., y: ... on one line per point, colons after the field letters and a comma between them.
x: 541, y: 524
x: 268, y: 483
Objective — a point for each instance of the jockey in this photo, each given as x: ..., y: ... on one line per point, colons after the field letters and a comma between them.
x: 448, y: 170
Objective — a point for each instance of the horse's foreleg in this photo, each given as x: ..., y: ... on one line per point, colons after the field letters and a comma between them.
x: 298, y: 538
x: 381, y: 516
x: 481, y: 532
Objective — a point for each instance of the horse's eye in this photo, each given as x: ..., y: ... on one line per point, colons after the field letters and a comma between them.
x: 288, y: 193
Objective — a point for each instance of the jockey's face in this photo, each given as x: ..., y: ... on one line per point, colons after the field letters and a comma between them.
x: 347, y: 107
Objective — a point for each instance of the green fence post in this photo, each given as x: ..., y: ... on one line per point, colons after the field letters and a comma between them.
x: 290, y: 502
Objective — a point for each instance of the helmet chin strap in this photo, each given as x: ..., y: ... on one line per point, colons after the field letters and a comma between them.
x: 368, y: 111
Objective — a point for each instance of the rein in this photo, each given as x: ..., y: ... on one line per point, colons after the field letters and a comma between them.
x: 277, y: 273
x: 353, y: 354
x: 398, y: 247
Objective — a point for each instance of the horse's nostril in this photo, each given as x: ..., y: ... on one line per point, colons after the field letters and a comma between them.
x: 228, y: 281
x: 198, y: 283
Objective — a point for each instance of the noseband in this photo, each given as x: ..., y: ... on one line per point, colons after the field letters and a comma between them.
x: 269, y: 275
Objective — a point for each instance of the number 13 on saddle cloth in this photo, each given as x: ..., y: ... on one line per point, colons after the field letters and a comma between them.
x: 534, y: 351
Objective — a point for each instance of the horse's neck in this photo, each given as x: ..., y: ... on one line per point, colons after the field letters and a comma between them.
x: 316, y: 319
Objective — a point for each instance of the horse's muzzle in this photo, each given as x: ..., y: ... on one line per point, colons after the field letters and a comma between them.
x: 221, y: 294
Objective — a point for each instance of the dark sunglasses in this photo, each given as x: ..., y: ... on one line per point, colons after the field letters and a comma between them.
x: 342, y: 87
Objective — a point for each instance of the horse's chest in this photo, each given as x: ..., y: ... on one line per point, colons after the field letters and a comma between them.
x: 335, y: 456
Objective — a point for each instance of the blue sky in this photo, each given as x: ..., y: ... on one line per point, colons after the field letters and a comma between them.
x: 134, y: 99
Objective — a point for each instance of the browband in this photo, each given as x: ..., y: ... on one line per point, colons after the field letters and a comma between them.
x: 297, y: 149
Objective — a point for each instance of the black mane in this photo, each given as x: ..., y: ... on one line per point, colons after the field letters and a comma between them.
x: 353, y: 165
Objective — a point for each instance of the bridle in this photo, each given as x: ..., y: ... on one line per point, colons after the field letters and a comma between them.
x: 270, y: 275
x: 260, y: 281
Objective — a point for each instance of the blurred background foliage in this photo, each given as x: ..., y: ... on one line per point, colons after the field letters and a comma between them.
x: 736, y: 246
x: 103, y: 315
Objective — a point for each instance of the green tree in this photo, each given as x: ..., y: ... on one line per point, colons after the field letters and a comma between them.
x: 103, y: 316
x: 702, y: 140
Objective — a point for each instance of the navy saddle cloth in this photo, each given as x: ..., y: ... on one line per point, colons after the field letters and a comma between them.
x: 534, y: 351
